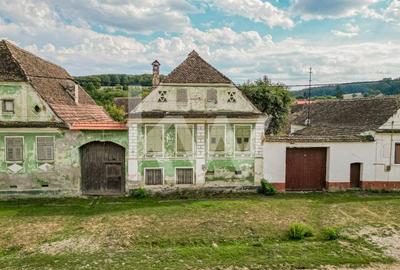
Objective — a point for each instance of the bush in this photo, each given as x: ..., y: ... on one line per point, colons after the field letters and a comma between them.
x: 140, y: 193
x: 329, y: 233
x: 266, y: 188
x: 298, y: 231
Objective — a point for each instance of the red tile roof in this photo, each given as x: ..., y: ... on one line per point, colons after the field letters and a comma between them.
x: 99, y: 126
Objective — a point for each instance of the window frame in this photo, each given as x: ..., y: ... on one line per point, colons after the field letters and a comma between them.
x: 250, y: 139
x: 176, y: 138
x: 3, y: 107
x: 214, y: 93
x: 395, y: 160
x: 193, y: 175
x: 186, y: 99
x: 37, y: 149
x: 209, y: 138
x: 154, y: 154
x: 154, y: 168
x: 23, y: 149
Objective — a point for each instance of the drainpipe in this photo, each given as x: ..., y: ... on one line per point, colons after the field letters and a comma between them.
x: 391, y: 148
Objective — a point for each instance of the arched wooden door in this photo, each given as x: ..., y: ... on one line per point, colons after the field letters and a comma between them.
x: 103, y: 168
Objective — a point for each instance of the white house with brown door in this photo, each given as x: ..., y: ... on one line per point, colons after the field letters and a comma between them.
x: 347, y: 144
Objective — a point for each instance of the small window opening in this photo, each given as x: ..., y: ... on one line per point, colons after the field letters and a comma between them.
x: 162, y: 96
x: 232, y: 97
x: 37, y: 109
x: 8, y: 106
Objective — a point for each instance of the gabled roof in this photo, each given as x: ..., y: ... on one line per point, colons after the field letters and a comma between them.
x: 50, y: 82
x: 344, y: 118
x: 195, y: 70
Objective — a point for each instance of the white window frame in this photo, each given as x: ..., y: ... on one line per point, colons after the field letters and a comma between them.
x: 153, y: 168
x: 250, y: 139
x: 5, y: 149
x: 194, y: 174
x: 145, y: 140
x: 54, y: 149
x: 209, y: 140
x: 190, y: 126
x: 3, y: 105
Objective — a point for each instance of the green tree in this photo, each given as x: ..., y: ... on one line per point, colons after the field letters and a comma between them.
x: 338, y: 92
x: 117, y: 113
x: 273, y: 99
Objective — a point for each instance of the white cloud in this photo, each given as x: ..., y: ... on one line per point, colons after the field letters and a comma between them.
x: 257, y: 11
x: 349, y: 32
x: 317, y: 9
x: 108, y: 15
x: 392, y: 13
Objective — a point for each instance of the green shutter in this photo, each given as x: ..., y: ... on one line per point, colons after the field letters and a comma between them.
x: 14, y: 149
x: 217, y: 139
x: 242, y: 138
x: 154, y: 139
x: 184, y: 136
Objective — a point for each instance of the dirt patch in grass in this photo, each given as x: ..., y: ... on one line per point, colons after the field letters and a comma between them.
x: 387, y: 238
x: 87, y: 244
x: 26, y: 236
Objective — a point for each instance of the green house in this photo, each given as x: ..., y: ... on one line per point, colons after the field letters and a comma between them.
x: 195, y: 128
x: 53, y: 136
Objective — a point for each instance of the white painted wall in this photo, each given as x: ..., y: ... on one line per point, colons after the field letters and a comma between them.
x: 339, y: 158
x: 384, y: 156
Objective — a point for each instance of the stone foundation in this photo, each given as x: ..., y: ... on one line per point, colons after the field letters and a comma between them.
x: 335, y: 186
x: 280, y: 187
x: 381, y: 185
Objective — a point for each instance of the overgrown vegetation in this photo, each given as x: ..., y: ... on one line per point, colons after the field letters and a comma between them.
x: 266, y: 188
x: 329, y: 233
x: 273, y: 99
x: 234, y: 232
x: 299, y: 231
x: 140, y: 193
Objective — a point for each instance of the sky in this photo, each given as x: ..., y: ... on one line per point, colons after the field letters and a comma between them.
x: 342, y: 40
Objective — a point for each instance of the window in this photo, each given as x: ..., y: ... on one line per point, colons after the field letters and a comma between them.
x: 154, y: 139
x: 181, y: 96
x: 45, y: 148
x: 217, y: 138
x: 184, y: 176
x: 212, y: 96
x: 232, y: 97
x: 8, y: 106
x: 162, y: 96
x: 397, y: 153
x: 153, y: 176
x: 184, y: 139
x: 14, y: 148
x: 242, y: 137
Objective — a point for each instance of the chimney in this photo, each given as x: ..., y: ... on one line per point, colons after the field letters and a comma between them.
x: 156, y: 73
x: 76, y: 94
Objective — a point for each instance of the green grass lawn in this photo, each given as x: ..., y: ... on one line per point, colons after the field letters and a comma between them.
x: 246, y: 231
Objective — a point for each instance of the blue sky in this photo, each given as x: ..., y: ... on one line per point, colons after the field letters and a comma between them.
x: 342, y: 40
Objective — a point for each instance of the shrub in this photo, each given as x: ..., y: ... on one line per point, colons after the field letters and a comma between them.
x: 329, y: 233
x: 266, y: 188
x: 298, y: 231
x: 140, y: 193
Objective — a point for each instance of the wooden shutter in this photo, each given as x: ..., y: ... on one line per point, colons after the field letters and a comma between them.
x: 217, y: 139
x: 14, y: 149
x: 153, y: 177
x: 212, y: 96
x: 397, y: 153
x: 181, y: 95
x: 242, y: 135
x: 184, y: 176
x: 45, y: 148
x: 184, y: 137
x: 154, y: 139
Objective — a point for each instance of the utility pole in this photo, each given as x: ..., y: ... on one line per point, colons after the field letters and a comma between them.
x: 308, y: 121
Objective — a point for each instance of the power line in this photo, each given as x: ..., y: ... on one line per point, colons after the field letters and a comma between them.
x: 331, y: 84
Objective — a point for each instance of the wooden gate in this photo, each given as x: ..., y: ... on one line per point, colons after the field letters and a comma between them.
x: 305, y: 169
x: 355, y: 175
x: 103, y: 168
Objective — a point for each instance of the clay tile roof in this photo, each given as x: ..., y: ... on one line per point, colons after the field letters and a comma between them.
x: 50, y: 81
x: 195, y: 70
x: 345, y: 117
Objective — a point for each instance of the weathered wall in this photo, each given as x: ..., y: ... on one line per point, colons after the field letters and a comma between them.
x: 64, y: 173
x: 25, y: 99
x: 384, y: 156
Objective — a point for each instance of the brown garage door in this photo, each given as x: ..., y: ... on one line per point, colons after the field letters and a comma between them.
x: 305, y: 169
x: 103, y: 168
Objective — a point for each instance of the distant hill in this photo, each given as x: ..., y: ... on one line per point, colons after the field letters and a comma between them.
x: 385, y: 86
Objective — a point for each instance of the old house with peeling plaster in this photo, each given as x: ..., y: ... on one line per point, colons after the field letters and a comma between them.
x: 53, y: 136
x: 195, y: 128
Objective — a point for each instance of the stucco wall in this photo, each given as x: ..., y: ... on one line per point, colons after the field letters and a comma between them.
x: 339, y: 158
x: 25, y: 99
x: 62, y: 174
x: 384, y: 156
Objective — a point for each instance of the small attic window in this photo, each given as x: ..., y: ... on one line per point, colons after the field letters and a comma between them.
x: 232, y: 97
x: 8, y: 106
x: 181, y: 96
x: 162, y: 96
x: 212, y: 96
